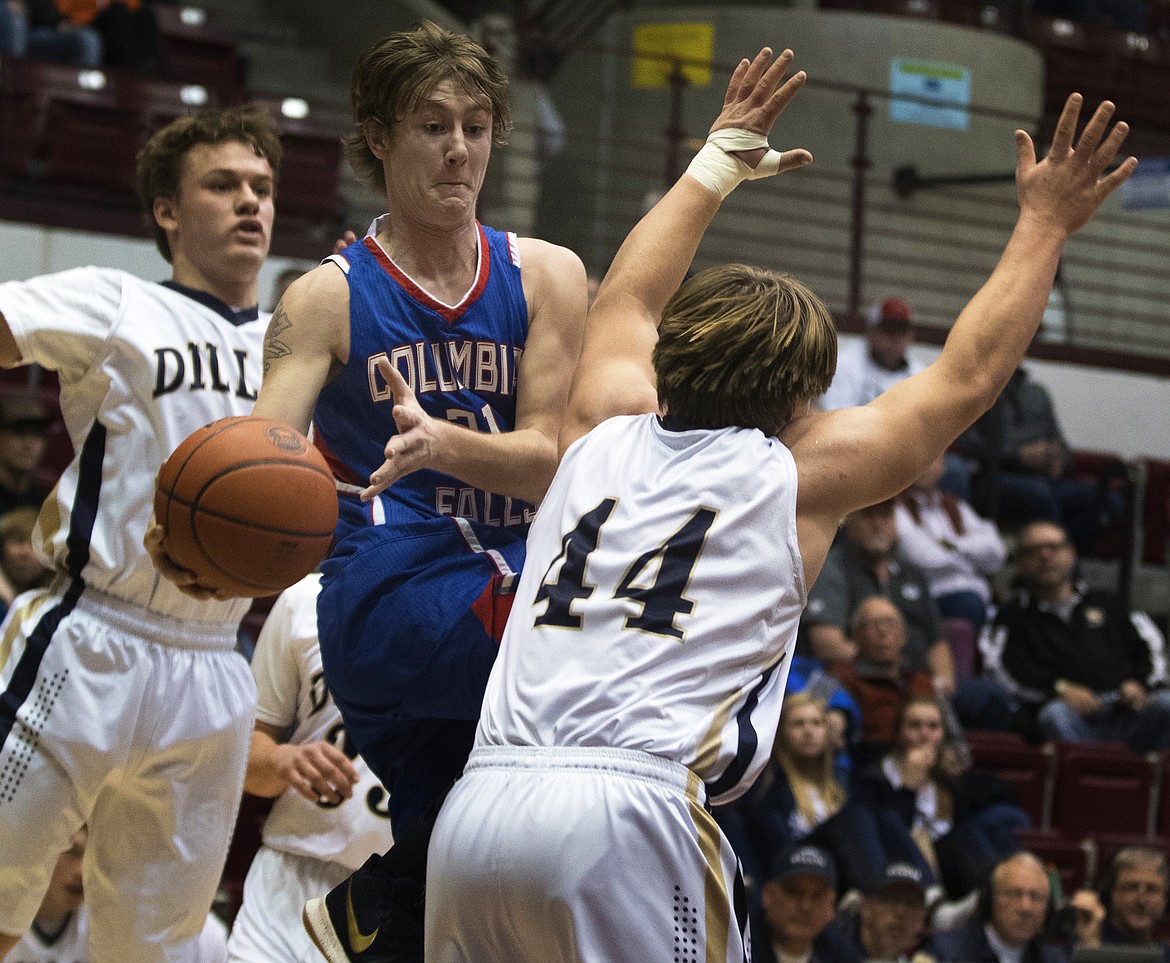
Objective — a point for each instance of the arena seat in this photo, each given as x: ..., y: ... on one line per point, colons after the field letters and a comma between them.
x: 1110, y: 474
x: 197, y: 53
x: 1156, y: 512
x: 1075, y: 860
x: 1026, y: 766
x: 1104, y: 787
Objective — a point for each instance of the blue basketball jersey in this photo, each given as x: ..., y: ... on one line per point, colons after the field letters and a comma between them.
x: 460, y: 360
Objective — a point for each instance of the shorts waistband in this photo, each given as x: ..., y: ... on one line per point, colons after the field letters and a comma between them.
x: 155, y: 626
x: 626, y: 762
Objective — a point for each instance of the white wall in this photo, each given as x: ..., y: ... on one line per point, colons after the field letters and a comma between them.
x: 27, y: 250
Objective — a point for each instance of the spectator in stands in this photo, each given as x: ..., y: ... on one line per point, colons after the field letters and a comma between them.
x: 878, y: 679
x: 797, y: 907
x: 888, y: 922
x: 865, y: 561
x: 1022, y: 460
x: 919, y: 807
x: 59, y: 930
x: 796, y: 793
x: 24, y: 425
x: 1007, y: 928
x: 808, y: 675
x: 1086, y: 667
x: 38, y: 29
x: 866, y: 369
x: 1134, y: 898
x: 955, y: 547
x: 21, y: 568
x: 129, y: 32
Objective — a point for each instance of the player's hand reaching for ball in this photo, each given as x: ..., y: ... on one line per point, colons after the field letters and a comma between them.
x: 187, y: 582
x: 319, y: 771
x: 419, y: 439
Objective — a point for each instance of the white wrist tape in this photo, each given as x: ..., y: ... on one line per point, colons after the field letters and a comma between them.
x: 719, y: 170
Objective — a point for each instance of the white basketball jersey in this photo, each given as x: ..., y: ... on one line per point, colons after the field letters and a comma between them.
x: 291, y: 694
x: 659, y: 602
x: 141, y: 366
x: 70, y: 946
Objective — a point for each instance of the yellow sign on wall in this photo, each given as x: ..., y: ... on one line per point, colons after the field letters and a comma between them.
x: 658, y: 47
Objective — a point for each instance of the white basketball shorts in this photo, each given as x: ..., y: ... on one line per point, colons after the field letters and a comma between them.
x: 268, y: 928
x: 139, y: 726
x: 580, y: 856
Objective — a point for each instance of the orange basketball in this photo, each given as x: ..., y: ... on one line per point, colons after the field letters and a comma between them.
x: 248, y: 505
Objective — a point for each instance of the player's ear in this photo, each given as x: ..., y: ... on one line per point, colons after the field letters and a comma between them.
x: 377, y: 137
x: 163, y: 209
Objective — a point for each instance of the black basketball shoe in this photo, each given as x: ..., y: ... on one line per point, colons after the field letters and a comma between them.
x: 371, y: 917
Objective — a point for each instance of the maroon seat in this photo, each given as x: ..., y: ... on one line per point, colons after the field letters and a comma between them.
x: 197, y: 53
x: 1156, y: 512
x: 1026, y: 766
x: 1103, y: 787
x: 1074, y: 860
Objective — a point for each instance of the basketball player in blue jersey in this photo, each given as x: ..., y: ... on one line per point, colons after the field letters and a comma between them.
x: 456, y: 342
x: 642, y: 669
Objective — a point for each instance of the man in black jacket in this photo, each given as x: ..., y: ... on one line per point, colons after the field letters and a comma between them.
x: 1089, y: 669
x: 1009, y: 922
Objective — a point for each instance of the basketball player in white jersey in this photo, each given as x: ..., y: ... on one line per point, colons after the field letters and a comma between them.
x: 642, y: 669
x: 123, y: 704
x: 330, y: 813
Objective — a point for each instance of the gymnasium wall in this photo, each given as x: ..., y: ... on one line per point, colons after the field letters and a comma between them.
x: 1141, y: 428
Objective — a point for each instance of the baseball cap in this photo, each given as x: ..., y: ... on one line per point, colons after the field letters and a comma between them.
x: 898, y: 874
x: 805, y: 861
x: 18, y: 411
x: 892, y: 314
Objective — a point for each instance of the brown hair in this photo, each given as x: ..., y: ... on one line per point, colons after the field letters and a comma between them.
x: 393, y: 76
x: 160, y: 163
x: 743, y: 346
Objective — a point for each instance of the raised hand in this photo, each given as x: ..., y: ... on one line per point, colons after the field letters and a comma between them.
x: 756, y: 97
x: 1069, y: 184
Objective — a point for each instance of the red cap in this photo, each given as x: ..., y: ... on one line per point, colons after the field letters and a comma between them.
x: 891, y: 313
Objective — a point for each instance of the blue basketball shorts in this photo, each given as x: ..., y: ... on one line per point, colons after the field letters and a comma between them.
x: 410, y: 616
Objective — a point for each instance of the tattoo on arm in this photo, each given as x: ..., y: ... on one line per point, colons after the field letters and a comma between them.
x: 274, y: 348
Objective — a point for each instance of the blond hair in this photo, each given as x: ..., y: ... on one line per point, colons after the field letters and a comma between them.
x: 743, y: 346
x: 823, y: 782
x: 397, y: 73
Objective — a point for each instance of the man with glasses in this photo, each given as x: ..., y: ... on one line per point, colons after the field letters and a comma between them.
x: 1088, y: 668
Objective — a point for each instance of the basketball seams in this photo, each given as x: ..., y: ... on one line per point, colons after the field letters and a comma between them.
x: 206, y: 536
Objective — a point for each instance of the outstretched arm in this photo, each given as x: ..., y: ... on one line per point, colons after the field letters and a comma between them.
x: 857, y: 456
x: 614, y: 375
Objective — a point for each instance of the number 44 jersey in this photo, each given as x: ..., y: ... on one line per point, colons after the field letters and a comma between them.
x: 659, y: 603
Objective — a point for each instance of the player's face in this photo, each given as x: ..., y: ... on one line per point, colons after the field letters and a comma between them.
x: 1139, y: 899
x: 221, y: 221
x: 436, y: 157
